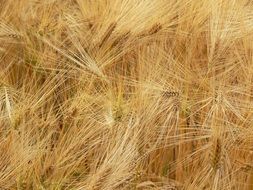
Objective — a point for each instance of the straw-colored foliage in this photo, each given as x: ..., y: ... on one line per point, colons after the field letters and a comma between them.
x: 126, y: 94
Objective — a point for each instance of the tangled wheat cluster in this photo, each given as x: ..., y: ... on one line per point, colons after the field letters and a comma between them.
x: 126, y: 94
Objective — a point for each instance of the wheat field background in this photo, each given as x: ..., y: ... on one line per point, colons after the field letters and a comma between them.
x: 126, y: 95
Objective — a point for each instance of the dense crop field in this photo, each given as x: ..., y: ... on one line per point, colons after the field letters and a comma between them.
x: 126, y: 95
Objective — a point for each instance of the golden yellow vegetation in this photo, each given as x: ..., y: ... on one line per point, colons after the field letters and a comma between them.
x: 126, y: 94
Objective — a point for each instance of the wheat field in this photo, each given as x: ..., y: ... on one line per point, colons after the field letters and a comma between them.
x: 126, y: 95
